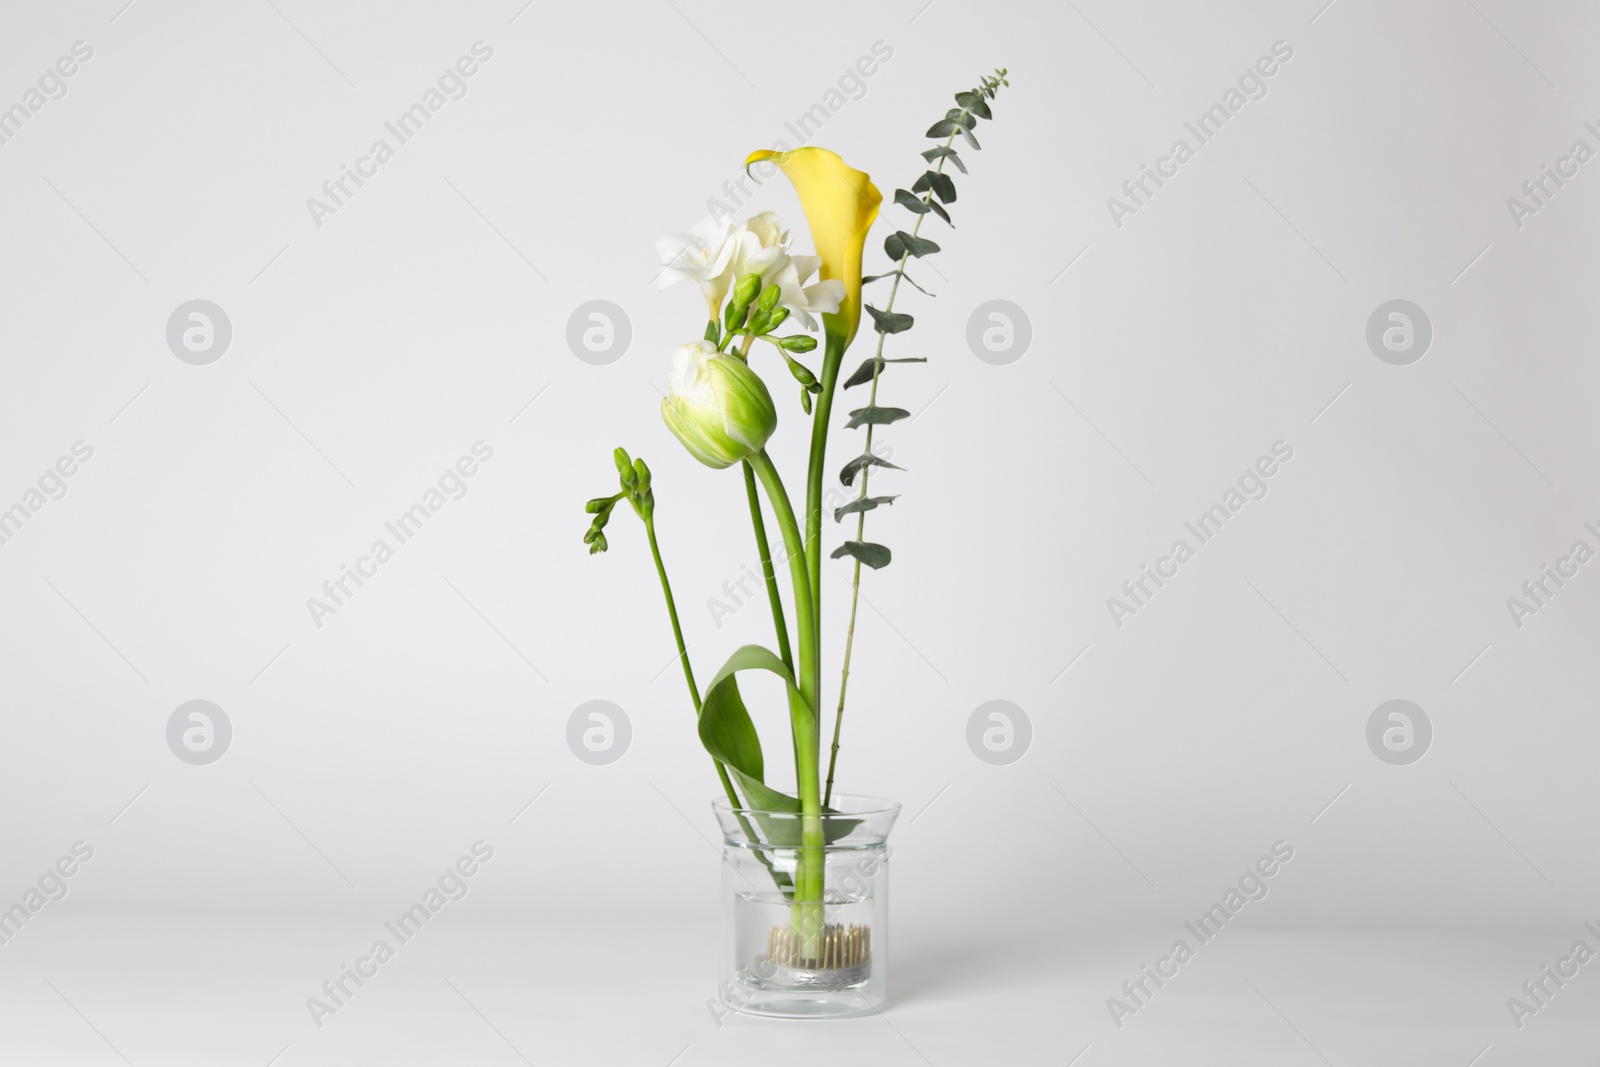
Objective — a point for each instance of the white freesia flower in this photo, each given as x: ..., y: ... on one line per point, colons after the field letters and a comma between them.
x: 715, y: 257
x: 823, y: 298
x: 716, y: 405
x: 760, y: 246
x: 704, y: 257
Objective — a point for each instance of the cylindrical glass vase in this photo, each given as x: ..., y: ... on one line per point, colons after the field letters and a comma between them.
x: 796, y: 952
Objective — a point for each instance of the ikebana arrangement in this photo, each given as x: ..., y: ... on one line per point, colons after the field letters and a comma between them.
x: 806, y: 876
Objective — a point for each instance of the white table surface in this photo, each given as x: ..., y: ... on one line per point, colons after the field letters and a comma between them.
x: 171, y: 990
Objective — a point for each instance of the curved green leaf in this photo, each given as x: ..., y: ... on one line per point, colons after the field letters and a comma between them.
x: 728, y: 733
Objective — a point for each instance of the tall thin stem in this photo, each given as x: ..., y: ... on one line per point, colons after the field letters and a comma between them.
x: 768, y: 574
x: 683, y: 651
x: 833, y: 354
x: 861, y: 516
x: 807, y: 916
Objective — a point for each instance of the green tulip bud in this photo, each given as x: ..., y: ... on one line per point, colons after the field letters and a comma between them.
x: 717, y: 406
x: 770, y: 297
x: 798, y: 343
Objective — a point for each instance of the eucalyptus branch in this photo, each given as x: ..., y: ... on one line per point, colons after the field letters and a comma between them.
x: 958, y: 121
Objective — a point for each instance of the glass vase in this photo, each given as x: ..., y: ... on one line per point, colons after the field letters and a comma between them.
x: 800, y: 952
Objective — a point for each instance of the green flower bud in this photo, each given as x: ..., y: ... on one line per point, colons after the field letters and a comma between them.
x: 733, y: 315
x: 745, y: 290
x: 717, y: 406
x: 798, y: 343
x: 599, y: 505
x: 770, y: 297
x: 801, y: 373
x: 776, y: 319
x: 622, y: 459
x: 760, y: 321
x: 644, y: 475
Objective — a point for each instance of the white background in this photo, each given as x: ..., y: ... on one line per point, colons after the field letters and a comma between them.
x: 1168, y: 353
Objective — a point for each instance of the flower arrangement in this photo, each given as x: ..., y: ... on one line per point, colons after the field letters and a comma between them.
x: 720, y: 407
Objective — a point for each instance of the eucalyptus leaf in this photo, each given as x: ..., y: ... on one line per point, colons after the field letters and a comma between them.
x: 942, y: 185
x: 900, y: 244
x: 896, y: 273
x: 866, y: 503
x: 960, y: 118
x: 890, y: 321
x: 873, y: 415
x: 909, y: 202
x: 939, y: 210
x: 865, y: 372
x: 945, y: 153
x: 971, y: 140
x: 875, y: 556
x: 974, y: 103
x: 942, y: 128
x: 861, y: 463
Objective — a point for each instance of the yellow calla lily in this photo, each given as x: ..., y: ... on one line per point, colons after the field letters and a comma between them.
x: 840, y: 203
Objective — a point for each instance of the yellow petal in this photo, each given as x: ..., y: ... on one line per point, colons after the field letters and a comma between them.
x: 840, y: 203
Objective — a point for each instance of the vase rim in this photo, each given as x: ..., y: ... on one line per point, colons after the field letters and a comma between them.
x: 846, y: 806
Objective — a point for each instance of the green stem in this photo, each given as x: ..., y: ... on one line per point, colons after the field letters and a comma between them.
x: 807, y: 915
x: 683, y: 652
x: 832, y: 357
x: 861, y: 516
x: 779, y: 879
x: 768, y: 575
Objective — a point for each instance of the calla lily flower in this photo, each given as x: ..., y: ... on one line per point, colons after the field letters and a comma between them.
x: 840, y: 204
